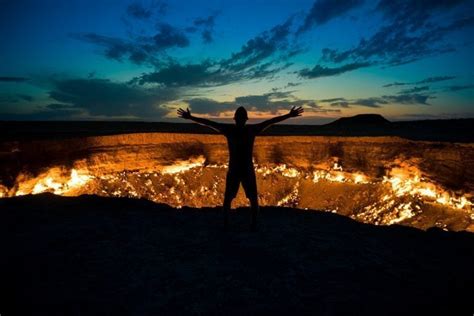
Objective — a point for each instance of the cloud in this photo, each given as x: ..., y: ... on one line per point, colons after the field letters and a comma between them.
x: 341, y: 104
x: 321, y: 71
x: 323, y: 11
x: 408, y: 98
x: 459, y: 87
x: 177, y: 75
x: 409, y: 34
x: 333, y: 100
x: 260, y: 47
x: 369, y: 102
x: 395, y: 84
x: 263, y: 56
x: 435, y: 79
x: 426, y: 80
x: 292, y: 84
x: 13, y: 79
x: 206, y: 27
x: 268, y: 102
x: 102, y: 97
x: 138, y: 10
x: 142, y: 49
x: 377, y: 102
x: 414, y: 90
x: 168, y: 36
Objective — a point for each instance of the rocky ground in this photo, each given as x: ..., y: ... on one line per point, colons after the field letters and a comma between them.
x: 113, y: 256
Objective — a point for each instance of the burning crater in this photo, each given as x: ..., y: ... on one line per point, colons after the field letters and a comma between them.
x: 376, y: 180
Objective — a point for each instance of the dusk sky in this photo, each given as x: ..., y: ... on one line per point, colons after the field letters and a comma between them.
x: 140, y: 60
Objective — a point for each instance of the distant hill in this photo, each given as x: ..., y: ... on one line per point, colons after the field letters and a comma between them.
x: 361, y: 120
x: 453, y: 130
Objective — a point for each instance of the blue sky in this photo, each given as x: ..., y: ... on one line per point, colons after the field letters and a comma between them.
x: 140, y: 60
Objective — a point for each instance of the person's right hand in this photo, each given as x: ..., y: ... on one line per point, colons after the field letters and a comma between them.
x: 296, y: 111
x: 184, y: 114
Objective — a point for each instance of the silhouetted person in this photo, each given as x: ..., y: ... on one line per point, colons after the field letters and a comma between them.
x: 240, y: 139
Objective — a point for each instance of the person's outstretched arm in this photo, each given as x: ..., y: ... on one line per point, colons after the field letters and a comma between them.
x: 186, y: 114
x: 294, y: 112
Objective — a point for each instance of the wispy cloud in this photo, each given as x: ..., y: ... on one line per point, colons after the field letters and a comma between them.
x: 323, y: 11
x: 426, y: 80
x: 320, y: 71
x: 377, y: 102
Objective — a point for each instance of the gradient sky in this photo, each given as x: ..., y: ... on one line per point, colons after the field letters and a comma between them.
x: 140, y: 60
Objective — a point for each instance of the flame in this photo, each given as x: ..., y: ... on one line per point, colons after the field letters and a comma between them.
x: 53, y: 181
x: 184, y: 165
x: 401, y: 193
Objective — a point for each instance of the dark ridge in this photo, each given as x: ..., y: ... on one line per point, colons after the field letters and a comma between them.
x: 92, y: 255
x: 370, y: 120
x: 454, y: 130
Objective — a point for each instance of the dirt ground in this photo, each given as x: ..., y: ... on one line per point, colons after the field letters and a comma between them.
x: 91, y: 255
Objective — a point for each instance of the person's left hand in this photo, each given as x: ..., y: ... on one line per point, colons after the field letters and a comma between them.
x: 184, y: 114
x: 296, y: 111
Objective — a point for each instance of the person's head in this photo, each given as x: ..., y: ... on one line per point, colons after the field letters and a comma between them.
x: 240, y: 116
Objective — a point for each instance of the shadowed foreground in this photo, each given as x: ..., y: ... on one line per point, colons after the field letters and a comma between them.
x: 92, y: 255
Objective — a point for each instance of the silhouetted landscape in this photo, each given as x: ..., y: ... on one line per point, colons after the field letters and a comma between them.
x: 94, y: 255
x: 449, y: 130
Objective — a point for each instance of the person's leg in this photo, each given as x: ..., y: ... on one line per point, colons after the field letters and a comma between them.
x: 250, y: 187
x: 231, y: 188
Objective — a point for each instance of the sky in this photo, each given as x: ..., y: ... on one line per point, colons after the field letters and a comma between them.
x: 143, y: 59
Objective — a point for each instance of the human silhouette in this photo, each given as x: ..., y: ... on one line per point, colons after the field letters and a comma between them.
x: 240, y: 139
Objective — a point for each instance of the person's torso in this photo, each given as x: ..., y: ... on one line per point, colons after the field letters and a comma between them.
x: 240, y: 141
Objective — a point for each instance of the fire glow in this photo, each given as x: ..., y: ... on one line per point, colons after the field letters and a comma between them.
x: 401, y: 194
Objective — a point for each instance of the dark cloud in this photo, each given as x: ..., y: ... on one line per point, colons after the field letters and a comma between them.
x: 326, y: 10
x: 261, y: 47
x: 292, y: 84
x: 168, y: 36
x: 341, y: 104
x: 459, y: 87
x: 13, y: 79
x: 321, y: 71
x: 369, y: 102
x: 142, y: 49
x: 377, y: 102
x: 435, y: 79
x: 408, y: 98
x: 414, y: 90
x: 205, y: 26
x: 102, y: 97
x: 138, y: 10
x: 395, y: 84
x: 203, y: 74
x: 409, y: 34
x: 333, y: 100
x: 426, y: 80
x: 206, y: 74
x: 268, y: 102
x: 260, y: 57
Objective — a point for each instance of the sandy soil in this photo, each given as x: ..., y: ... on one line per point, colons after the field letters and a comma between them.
x: 90, y: 255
